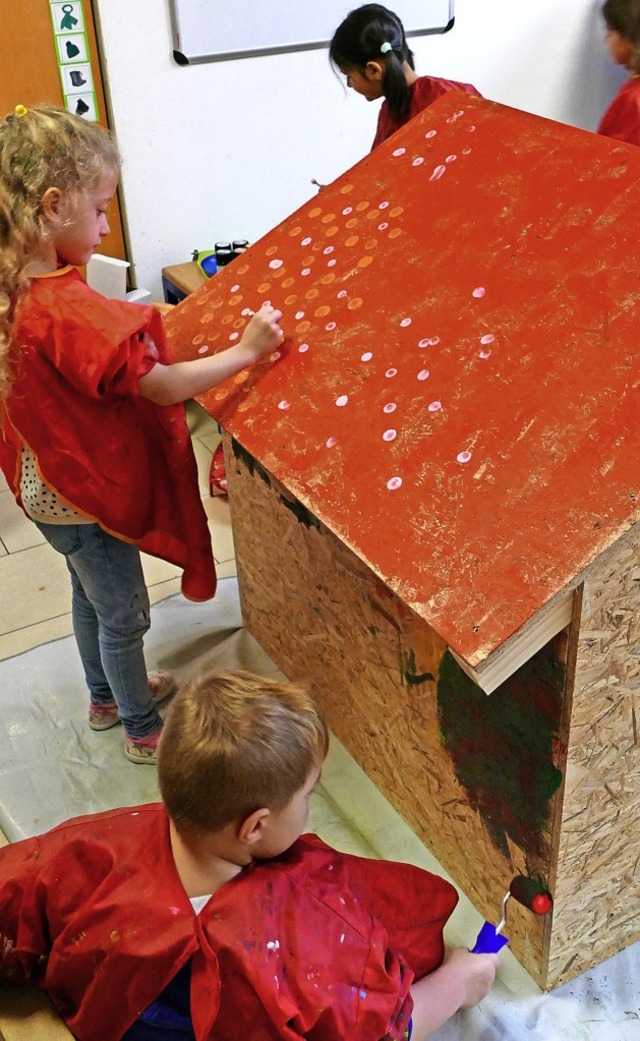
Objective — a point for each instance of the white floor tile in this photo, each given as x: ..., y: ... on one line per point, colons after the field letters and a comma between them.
x: 17, y: 532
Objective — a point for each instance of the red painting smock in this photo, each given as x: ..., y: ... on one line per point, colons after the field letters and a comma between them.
x: 422, y: 93
x: 109, y: 453
x: 622, y: 118
x: 313, y: 944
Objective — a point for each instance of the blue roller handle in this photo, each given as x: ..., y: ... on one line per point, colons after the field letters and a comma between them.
x: 489, y: 941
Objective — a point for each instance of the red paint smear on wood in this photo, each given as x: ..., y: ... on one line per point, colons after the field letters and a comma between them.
x: 537, y: 377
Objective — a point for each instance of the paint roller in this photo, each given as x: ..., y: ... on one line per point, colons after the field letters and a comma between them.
x: 528, y: 892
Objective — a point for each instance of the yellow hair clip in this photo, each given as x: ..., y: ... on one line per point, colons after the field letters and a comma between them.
x: 21, y: 110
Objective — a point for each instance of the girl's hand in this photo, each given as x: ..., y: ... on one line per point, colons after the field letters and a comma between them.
x: 476, y: 972
x: 262, y: 334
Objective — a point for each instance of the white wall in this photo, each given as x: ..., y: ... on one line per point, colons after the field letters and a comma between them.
x: 228, y: 149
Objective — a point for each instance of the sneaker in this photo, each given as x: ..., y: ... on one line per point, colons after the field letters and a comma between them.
x: 142, y: 749
x: 103, y: 717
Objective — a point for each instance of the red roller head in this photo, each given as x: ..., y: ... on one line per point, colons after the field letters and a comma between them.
x: 532, y: 894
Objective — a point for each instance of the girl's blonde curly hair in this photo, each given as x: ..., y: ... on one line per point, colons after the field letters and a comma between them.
x: 40, y: 148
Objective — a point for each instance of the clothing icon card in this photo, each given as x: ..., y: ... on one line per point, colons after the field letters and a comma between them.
x: 82, y: 105
x: 72, y: 48
x: 67, y: 18
x: 77, y: 79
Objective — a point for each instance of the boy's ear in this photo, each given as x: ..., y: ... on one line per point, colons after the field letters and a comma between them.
x: 252, y: 828
x: 374, y: 70
x: 50, y: 204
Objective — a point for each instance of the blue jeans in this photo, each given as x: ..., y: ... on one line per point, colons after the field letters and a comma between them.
x: 110, y: 612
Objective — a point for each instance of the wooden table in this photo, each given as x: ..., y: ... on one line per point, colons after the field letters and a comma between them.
x: 434, y: 495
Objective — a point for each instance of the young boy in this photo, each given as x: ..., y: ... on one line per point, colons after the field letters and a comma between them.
x: 208, y: 917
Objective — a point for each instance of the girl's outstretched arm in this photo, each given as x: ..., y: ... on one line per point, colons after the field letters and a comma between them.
x: 169, y: 384
x: 462, y: 981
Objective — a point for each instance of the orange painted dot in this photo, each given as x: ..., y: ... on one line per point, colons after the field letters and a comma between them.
x: 365, y: 261
x: 197, y: 340
x: 362, y: 206
x: 264, y: 287
x: 333, y: 230
x: 288, y: 282
x: 396, y: 211
x: 307, y: 261
x: 271, y: 251
x: 312, y: 294
x: 373, y: 214
x: 302, y: 327
x: 242, y: 377
x: 351, y: 223
x: 295, y: 231
x: 227, y: 318
x: 278, y: 274
x: 206, y: 318
x: 371, y: 244
x: 290, y: 299
x: 328, y: 217
x: 346, y: 188
x: 354, y: 304
x: 316, y: 246
x: 220, y: 395
x: 315, y: 212
x: 239, y: 322
x: 328, y: 279
x: 244, y: 406
x: 320, y: 312
x: 351, y: 241
x: 393, y: 234
x: 243, y: 270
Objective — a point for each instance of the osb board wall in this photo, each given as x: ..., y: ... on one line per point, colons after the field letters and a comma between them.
x: 457, y: 394
x: 597, y: 892
x: 474, y: 776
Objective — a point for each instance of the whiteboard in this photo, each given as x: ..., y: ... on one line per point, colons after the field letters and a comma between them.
x: 215, y: 30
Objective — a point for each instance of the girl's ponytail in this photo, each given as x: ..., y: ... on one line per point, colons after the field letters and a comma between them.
x: 373, y: 33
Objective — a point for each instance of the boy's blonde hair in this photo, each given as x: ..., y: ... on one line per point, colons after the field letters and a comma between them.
x: 40, y: 148
x: 234, y: 743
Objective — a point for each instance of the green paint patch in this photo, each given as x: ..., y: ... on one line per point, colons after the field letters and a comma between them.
x: 300, y: 512
x: 502, y: 746
x: 411, y: 677
x: 251, y: 464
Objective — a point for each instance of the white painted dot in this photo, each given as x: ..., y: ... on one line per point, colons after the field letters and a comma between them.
x: 331, y: 263
x: 434, y: 340
x: 306, y: 271
x: 424, y: 343
x: 463, y: 457
x: 390, y: 373
x: 328, y: 249
x: 423, y: 374
x: 383, y: 205
x: 275, y: 264
x: 203, y: 349
x: 472, y: 128
x: 303, y: 348
x: 299, y: 315
x: 342, y: 400
x: 485, y: 354
x: 399, y: 151
x: 435, y: 406
x: 275, y: 356
x: 234, y: 336
x: 342, y: 294
x: 330, y: 326
x: 393, y: 483
x: 451, y: 159
x: 367, y: 356
x: 487, y: 338
x: 330, y: 442
x: 390, y: 407
x: 234, y: 289
x: 305, y: 242
x: 437, y: 173
x: 466, y: 151
x: 383, y: 226
x: 284, y: 405
x: 246, y: 311
x: 390, y: 435
x: 418, y: 161
x: 430, y: 133
x: 479, y: 291
x: 347, y: 210
x: 405, y: 322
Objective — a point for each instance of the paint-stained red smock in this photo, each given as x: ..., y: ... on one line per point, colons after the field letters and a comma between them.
x: 423, y: 92
x: 622, y: 118
x: 111, y: 454
x: 313, y: 944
